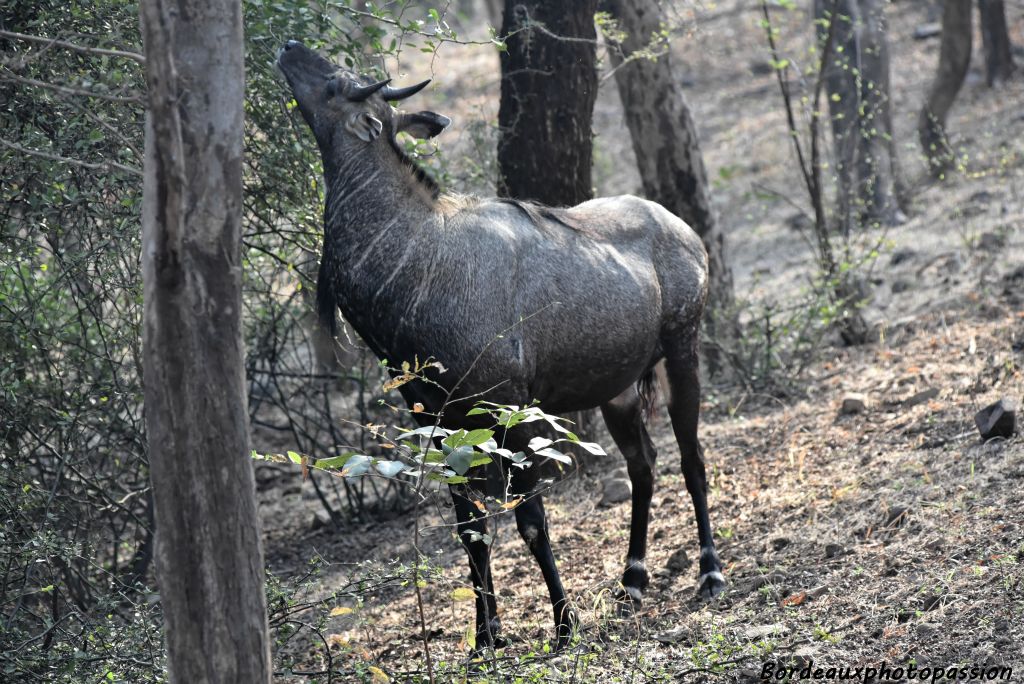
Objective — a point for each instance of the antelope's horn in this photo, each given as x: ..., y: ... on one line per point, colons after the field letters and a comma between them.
x: 402, y: 93
x: 359, y: 93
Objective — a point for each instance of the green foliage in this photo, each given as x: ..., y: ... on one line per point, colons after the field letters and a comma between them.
x: 73, y: 490
x: 413, y: 458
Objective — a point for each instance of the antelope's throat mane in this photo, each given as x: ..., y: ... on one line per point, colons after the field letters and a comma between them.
x: 418, y: 173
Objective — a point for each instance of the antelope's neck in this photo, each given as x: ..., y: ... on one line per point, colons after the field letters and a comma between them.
x: 369, y: 187
x: 369, y: 195
x: 378, y: 231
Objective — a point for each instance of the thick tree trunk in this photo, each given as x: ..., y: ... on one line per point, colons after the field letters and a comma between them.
x: 666, y: 144
x: 209, y: 558
x: 548, y: 88
x: 995, y: 40
x: 857, y: 81
x: 954, y: 59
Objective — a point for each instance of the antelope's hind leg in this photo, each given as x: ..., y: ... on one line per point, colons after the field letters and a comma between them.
x: 681, y: 364
x: 624, y: 417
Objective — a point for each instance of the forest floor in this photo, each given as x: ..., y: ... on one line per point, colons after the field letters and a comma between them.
x: 893, y: 535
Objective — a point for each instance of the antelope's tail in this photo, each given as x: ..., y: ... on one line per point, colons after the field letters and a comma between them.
x: 647, y: 388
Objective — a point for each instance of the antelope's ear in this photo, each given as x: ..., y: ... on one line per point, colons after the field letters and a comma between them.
x: 364, y: 126
x: 421, y: 125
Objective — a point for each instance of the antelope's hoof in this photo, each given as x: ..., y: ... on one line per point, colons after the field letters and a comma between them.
x: 628, y: 600
x: 710, y: 585
x: 488, y: 643
x: 490, y: 638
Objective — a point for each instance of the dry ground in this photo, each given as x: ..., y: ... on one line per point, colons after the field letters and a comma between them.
x: 893, y: 535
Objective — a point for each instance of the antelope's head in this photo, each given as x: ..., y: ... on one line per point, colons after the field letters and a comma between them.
x: 345, y: 110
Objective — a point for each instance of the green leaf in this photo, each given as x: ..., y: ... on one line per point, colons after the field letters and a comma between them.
x: 295, y: 457
x: 461, y: 459
x: 333, y: 461
x: 454, y: 440
x: 591, y: 447
x: 518, y: 457
x: 471, y: 438
x: 425, y: 431
x: 488, y: 446
x: 477, y: 437
x: 538, y: 443
x: 389, y: 468
x: 433, y: 456
x: 510, y: 420
x: 554, y: 421
x: 358, y: 464
x: 554, y: 455
x: 475, y: 536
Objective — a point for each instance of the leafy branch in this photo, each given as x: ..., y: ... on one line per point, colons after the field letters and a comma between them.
x: 95, y: 166
x: 55, y: 42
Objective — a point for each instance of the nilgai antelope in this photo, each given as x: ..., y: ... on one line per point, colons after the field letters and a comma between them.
x: 520, y: 302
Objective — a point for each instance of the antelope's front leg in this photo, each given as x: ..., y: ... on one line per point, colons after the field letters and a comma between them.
x: 471, y: 530
x: 532, y: 524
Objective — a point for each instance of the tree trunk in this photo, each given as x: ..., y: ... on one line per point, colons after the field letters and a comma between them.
x: 995, y: 40
x: 209, y: 557
x: 857, y: 81
x: 548, y: 88
x: 844, y: 97
x: 880, y: 164
x: 954, y: 58
x: 667, y: 146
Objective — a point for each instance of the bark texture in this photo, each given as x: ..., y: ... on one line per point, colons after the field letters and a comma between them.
x: 995, y: 40
x: 665, y: 138
x: 548, y: 88
x: 954, y: 59
x: 209, y: 558
x: 857, y: 80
